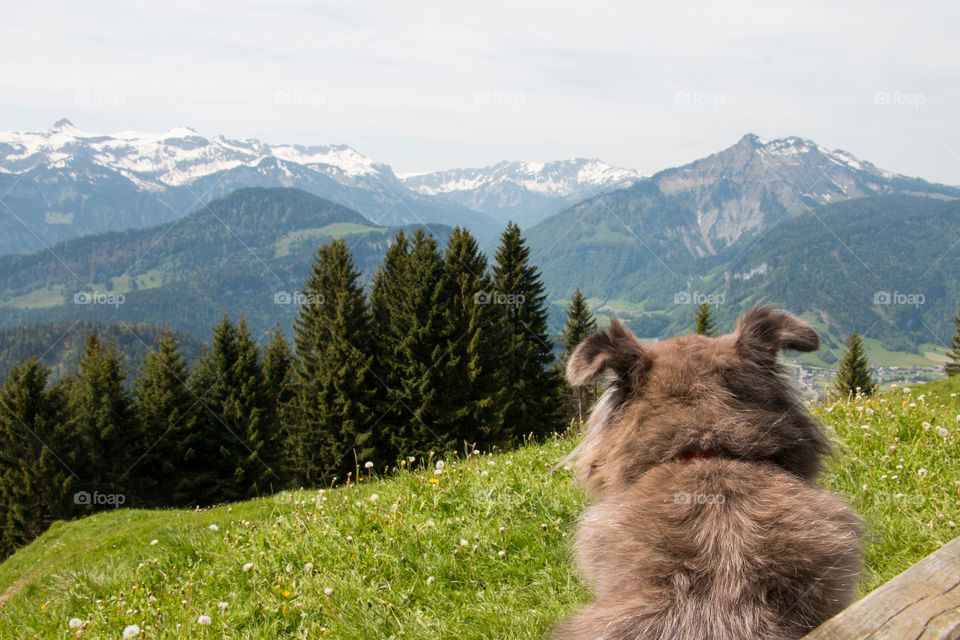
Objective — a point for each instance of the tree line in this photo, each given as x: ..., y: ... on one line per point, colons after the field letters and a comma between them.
x: 443, y: 353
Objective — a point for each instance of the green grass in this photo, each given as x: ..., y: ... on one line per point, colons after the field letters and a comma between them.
x: 481, y: 550
x: 40, y: 298
x: 423, y: 560
x: 282, y: 247
x: 943, y: 388
x: 56, y: 294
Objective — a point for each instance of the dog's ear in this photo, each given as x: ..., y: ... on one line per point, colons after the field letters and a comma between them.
x: 616, y: 349
x: 763, y: 331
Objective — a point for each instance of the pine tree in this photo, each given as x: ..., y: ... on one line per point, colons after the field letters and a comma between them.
x: 258, y: 471
x: 336, y: 387
x: 467, y: 370
x: 580, y: 324
x: 36, y: 476
x: 100, y: 415
x: 232, y: 445
x: 164, y: 409
x: 408, y: 307
x: 853, y: 375
x: 528, y: 382
x: 703, y: 320
x: 278, y: 369
x: 278, y: 377
x: 952, y: 367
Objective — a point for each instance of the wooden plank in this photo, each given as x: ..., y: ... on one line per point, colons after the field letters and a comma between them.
x: 922, y: 603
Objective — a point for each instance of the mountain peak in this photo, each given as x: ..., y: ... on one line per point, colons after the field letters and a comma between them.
x: 752, y: 140
x: 181, y: 132
x: 63, y: 123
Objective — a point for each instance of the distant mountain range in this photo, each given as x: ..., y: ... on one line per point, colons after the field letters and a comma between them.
x: 525, y: 192
x: 787, y: 220
x: 64, y: 183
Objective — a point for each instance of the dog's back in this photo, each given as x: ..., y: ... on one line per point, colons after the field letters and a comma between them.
x: 705, y: 524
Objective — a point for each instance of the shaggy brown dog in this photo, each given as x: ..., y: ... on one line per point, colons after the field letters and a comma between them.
x: 700, y: 459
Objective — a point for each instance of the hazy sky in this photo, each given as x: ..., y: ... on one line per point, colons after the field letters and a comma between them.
x: 431, y: 85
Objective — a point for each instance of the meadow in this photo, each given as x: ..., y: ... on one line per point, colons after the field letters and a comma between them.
x: 470, y: 545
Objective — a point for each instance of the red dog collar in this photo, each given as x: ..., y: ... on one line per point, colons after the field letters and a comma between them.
x: 696, y: 454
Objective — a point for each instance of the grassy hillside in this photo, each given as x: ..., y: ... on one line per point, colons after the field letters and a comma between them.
x: 478, y: 550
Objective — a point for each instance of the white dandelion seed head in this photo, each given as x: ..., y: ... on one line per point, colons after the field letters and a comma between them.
x: 430, y: 580
x: 204, y: 621
x: 501, y: 553
x: 463, y: 543
x: 75, y: 623
x: 248, y: 566
x: 288, y: 568
x: 131, y: 631
x: 308, y: 567
x: 328, y: 592
x: 921, y: 472
x: 374, y: 498
x: 213, y: 527
x: 223, y: 606
x: 943, y: 433
x: 154, y: 543
x: 368, y: 465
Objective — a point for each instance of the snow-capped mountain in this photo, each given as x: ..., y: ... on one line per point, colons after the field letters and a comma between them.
x: 631, y: 243
x: 525, y: 192
x: 757, y: 181
x: 64, y: 182
x: 173, y: 158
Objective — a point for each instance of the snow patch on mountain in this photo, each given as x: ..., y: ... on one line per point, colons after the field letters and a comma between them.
x: 562, y: 178
x: 171, y: 158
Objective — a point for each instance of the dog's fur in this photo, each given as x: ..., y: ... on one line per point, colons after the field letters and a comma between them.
x: 705, y: 524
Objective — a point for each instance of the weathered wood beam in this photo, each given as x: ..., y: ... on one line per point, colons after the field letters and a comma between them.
x: 922, y: 603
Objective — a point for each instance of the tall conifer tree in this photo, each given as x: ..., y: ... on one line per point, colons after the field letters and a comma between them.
x: 336, y: 388
x: 528, y: 382
x: 164, y: 409
x: 580, y: 324
x: 278, y: 377
x: 468, y: 383
x: 232, y: 441
x: 100, y: 416
x: 36, y: 478
x: 408, y: 304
